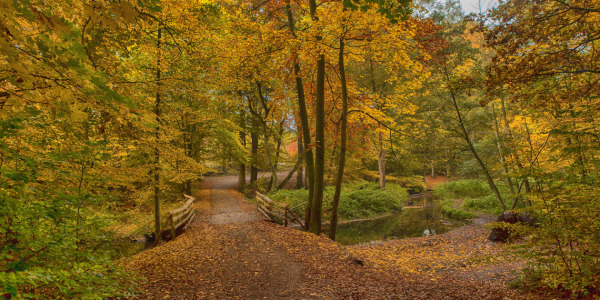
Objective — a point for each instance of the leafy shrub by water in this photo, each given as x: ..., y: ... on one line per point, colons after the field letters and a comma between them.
x: 468, y: 188
x: 477, y: 194
x: 357, y: 200
x: 456, y: 214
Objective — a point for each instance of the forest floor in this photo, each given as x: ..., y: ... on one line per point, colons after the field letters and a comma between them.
x: 230, y: 252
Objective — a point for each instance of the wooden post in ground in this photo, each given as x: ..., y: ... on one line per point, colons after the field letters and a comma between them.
x: 172, y: 226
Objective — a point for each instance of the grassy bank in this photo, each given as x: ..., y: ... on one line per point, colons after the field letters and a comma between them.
x: 358, y: 200
x: 474, y: 195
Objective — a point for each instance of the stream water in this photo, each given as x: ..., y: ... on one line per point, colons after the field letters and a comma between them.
x: 411, y: 222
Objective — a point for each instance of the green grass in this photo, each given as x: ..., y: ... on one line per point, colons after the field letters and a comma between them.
x: 358, y: 200
x: 476, y: 193
x: 456, y: 214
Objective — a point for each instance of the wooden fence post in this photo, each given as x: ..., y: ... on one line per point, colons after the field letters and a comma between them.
x: 172, y: 227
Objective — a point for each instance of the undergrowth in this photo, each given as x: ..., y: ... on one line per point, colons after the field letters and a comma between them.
x: 476, y: 193
x: 357, y: 200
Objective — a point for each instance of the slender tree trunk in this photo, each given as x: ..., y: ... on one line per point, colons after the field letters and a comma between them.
x: 310, y: 169
x: 157, y: 146
x: 485, y: 170
x: 242, y: 175
x: 319, y: 184
x: 342, y: 162
x: 266, y: 135
x: 279, y: 141
x: 273, y: 183
x: 516, y: 155
x: 381, y: 159
x: 187, y: 144
x: 290, y: 175
x: 299, y: 176
x: 432, y: 169
x: 501, y: 152
x: 254, y: 150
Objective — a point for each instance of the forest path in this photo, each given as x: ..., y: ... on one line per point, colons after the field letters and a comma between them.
x: 227, y: 203
x: 223, y: 255
x: 229, y: 252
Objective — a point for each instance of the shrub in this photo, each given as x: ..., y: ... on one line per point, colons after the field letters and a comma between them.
x: 564, y: 250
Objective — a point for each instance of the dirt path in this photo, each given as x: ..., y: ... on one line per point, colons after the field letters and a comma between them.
x: 227, y: 204
x: 229, y: 252
x: 224, y: 255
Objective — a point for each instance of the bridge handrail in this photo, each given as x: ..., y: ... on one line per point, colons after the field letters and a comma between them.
x: 182, y: 217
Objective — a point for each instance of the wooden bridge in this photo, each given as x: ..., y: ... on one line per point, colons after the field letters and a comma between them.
x: 180, y: 218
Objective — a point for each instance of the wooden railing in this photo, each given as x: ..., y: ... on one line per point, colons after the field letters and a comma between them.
x: 180, y: 218
x: 277, y: 212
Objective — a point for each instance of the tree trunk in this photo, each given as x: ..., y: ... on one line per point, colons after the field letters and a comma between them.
x: 299, y: 176
x: 187, y: 144
x: 273, y: 182
x: 319, y: 184
x: 501, y: 152
x: 242, y: 175
x: 290, y: 175
x: 381, y: 160
x: 510, y: 135
x: 342, y: 162
x: 279, y: 141
x: 302, y: 111
x: 266, y: 135
x: 472, y: 148
x: 157, y: 146
x: 254, y: 150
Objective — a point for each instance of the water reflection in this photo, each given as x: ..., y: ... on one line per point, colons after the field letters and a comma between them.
x: 411, y: 222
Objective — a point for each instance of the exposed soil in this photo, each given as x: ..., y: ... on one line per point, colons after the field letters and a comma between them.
x: 229, y: 252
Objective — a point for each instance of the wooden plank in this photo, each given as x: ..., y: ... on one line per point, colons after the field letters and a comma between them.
x: 264, y: 213
x: 263, y: 203
x: 190, y: 222
x: 184, y: 221
x: 279, y: 210
x: 183, y: 215
x: 266, y: 199
x: 301, y: 204
x: 184, y: 207
x: 271, y: 215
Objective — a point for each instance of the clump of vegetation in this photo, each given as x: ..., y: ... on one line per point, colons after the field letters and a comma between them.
x: 358, y: 200
x: 455, y: 213
x: 468, y: 188
x: 414, y: 184
x: 487, y: 204
x: 476, y: 193
x: 568, y: 239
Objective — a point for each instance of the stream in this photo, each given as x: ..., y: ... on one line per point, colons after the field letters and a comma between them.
x: 419, y: 220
